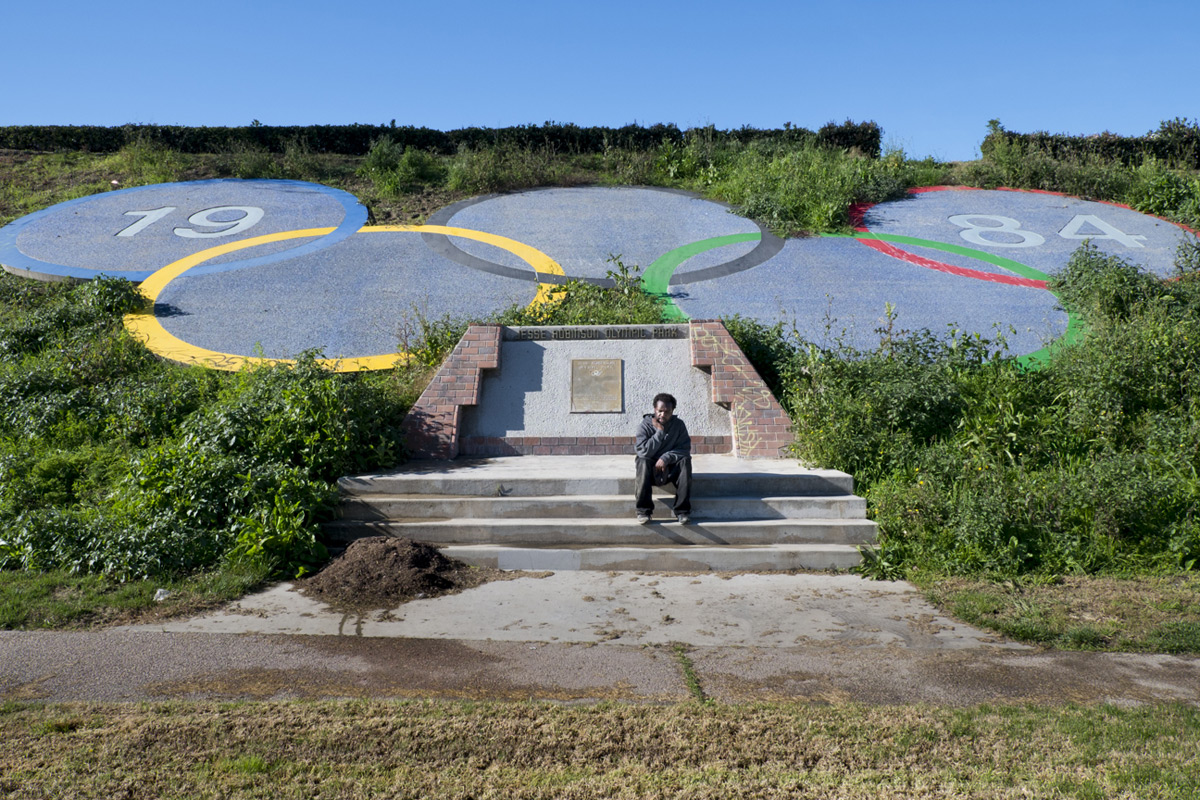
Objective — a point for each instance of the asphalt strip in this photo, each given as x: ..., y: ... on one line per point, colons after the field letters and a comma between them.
x: 587, y: 637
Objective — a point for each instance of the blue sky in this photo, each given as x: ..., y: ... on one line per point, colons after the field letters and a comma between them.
x: 930, y: 73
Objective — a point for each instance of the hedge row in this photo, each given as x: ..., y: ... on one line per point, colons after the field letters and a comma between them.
x: 356, y: 139
x: 1176, y: 142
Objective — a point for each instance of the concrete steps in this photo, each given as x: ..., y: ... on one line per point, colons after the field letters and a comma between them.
x: 389, y: 506
x: 576, y: 512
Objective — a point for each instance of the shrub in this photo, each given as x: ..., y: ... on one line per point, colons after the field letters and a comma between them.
x: 114, y: 462
x: 500, y: 168
x: 972, y: 463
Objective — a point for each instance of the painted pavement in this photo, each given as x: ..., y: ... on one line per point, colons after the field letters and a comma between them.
x: 242, y: 270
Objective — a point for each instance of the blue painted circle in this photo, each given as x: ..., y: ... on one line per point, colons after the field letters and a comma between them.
x: 131, y: 234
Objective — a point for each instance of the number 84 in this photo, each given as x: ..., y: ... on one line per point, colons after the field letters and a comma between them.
x: 1009, y: 229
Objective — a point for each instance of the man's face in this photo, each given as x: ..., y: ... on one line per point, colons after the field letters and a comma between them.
x: 663, y: 412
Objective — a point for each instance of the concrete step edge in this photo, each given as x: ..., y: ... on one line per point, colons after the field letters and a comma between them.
x: 666, y: 558
x: 660, y: 518
x: 574, y: 533
x: 710, y: 485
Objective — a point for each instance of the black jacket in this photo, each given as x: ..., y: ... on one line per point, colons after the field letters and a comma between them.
x: 671, y: 445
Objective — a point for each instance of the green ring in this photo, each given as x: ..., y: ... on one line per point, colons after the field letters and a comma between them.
x: 657, y: 277
x: 1032, y: 360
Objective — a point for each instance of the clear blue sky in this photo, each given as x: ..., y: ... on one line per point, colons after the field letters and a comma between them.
x: 930, y: 73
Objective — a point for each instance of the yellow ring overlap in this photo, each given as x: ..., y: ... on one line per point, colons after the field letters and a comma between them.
x: 145, y: 325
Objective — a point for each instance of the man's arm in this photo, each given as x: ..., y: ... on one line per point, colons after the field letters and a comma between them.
x: 677, y: 441
x: 649, y: 439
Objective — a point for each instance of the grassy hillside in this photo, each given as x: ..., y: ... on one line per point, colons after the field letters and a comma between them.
x: 114, y: 465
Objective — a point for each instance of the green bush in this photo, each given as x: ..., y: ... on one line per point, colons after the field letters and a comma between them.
x: 974, y: 464
x: 808, y: 188
x: 1150, y: 175
x: 502, y: 168
x: 577, y: 302
x: 114, y: 462
x: 622, y: 300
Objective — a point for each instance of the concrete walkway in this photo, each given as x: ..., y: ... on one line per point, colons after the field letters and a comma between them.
x: 582, y: 636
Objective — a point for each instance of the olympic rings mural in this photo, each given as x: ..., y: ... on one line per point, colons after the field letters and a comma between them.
x: 220, y: 227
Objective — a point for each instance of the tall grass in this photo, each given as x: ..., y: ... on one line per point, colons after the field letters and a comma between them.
x: 1152, y: 186
x: 145, y: 162
x: 794, y: 187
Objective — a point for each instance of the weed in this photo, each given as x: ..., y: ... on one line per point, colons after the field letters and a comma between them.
x: 396, y: 171
x: 690, y: 677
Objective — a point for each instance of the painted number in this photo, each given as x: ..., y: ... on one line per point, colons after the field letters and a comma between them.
x: 1008, y: 228
x: 249, y: 217
x: 147, y: 218
x: 1071, y: 231
x: 974, y: 232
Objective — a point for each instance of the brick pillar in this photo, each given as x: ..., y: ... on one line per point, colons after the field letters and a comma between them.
x: 432, y: 426
x: 760, y: 427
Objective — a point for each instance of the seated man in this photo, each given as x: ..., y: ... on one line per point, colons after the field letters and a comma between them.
x: 664, y: 455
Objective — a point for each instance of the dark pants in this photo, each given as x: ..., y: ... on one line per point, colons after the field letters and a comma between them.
x: 679, y: 473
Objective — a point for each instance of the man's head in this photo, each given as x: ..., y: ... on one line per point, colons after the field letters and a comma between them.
x: 664, y: 407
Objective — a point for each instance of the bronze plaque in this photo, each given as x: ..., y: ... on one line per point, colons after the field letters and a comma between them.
x: 596, y: 386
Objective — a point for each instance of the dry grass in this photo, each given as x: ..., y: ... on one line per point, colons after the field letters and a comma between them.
x: 1156, y: 613
x: 358, y: 749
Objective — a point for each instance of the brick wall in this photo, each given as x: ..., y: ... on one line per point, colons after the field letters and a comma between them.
x: 432, y: 427
x: 761, y: 429
x: 575, y: 445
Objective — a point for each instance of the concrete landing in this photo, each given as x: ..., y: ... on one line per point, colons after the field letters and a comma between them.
x: 631, y: 608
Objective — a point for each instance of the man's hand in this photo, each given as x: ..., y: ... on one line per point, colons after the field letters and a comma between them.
x: 660, y: 467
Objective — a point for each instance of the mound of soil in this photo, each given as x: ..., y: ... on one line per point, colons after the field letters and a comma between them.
x: 383, y: 572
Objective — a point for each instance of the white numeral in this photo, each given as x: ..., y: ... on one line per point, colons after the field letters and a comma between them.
x: 974, y: 232
x: 147, y: 218
x: 251, y: 216
x: 1071, y: 231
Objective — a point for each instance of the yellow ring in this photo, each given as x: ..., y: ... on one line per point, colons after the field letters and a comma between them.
x: 145, y: 325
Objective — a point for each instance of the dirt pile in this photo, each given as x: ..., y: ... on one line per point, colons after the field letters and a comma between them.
x: 383, y: 572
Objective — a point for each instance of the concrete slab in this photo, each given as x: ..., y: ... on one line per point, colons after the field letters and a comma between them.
x: 740, y: 610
